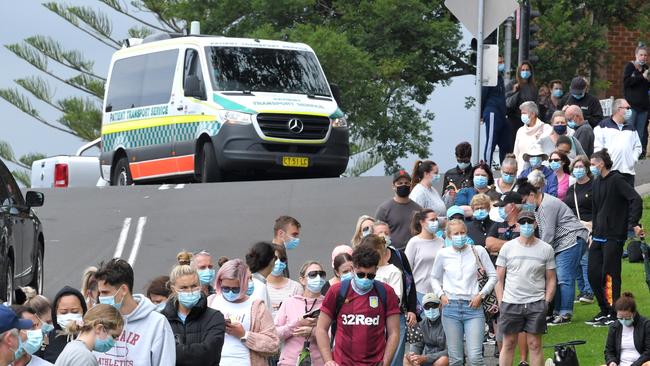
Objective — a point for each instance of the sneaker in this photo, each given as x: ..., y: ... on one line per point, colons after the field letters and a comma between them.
x: 549, y: 318
x: 605, y: 322
x: 586, y: 299
x: 560, y: 320
x: 549, y: 362
x: 523, y: 363
x: 577, y: 300
x: 596, y: 319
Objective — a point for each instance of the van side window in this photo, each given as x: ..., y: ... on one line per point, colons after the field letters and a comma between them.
x: 141, y: 81
x: 193, y: 85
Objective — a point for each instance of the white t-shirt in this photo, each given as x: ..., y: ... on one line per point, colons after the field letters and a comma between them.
x: 279, y: 294
x: 421, y: 254
x: 629, y: 354
x: 234, y: 351
x: 37, y: 361
x: 428, y: 198
x: 261, y: 293
x: 526, y: 267
x: 391, y: 275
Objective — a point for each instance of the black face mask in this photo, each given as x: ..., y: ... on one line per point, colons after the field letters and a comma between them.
x: 403, y: 191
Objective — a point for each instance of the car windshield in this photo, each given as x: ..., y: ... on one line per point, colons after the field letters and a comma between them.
x: 266, y: 70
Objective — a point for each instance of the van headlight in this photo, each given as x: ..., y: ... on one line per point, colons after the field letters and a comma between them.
x: 341, y: 122
x: 235, y: 118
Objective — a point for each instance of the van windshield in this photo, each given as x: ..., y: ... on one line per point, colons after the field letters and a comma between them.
x: 266, y: 70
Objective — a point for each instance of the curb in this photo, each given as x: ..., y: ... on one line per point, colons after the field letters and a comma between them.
x: 643, y: 189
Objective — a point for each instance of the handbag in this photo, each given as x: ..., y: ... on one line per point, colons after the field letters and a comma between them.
x: 304, y: 358
x: 587, y: 224
x: 414, y: 334
x: 490, y: 304
x: 565, y: 353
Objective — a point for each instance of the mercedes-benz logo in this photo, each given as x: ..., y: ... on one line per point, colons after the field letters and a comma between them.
x: 295, y: 125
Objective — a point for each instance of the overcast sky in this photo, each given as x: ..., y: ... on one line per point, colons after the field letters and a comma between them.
x: 453, y: 123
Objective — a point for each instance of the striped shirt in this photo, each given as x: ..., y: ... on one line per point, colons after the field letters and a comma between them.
x: 558, y: 225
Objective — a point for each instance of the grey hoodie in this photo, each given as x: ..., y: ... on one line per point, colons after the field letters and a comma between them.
x: 147, y: 339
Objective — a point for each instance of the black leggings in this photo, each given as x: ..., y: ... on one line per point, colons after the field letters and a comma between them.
x: 604, y: 272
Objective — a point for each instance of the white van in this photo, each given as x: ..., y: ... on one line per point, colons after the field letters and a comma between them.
x: 198, y: 108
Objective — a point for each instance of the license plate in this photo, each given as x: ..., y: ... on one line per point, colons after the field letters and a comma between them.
x: 295, y: 162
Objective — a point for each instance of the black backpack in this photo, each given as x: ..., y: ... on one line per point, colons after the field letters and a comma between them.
x: 634, y: 251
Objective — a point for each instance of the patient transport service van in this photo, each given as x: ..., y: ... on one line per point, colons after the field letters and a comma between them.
x: 200, y: 108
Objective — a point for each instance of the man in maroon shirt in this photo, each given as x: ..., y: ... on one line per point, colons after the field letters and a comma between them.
x: 368, y: 320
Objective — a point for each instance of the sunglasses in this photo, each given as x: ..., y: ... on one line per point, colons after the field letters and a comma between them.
x: 370, y: 276
x: 282, y: 259
x: 526, y: 221
x: 557, y: 160
x: 431, y: 305
x: 234, y: 290
x: 313, y: 274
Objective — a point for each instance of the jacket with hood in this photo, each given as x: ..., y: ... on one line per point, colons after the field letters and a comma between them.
x: 622, y: 144
x: 526, y: 138
x: 589, y: 105
x: 200, y: 338
x: 147, y: 339
x: 58, y: 341
x: 635, y: 87
x: 641, y: 341
x: 287, y: 321
x: 616, y: 207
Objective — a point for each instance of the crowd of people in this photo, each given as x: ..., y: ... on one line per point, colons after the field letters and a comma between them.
x: 426, y: 280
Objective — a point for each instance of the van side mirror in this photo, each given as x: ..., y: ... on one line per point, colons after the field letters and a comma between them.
x: 336, y: 93
x: 194, y: 87
x: 34, y: 199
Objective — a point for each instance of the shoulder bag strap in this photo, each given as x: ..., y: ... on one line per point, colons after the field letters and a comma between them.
x: 478, y: 260
x: 575, y: 199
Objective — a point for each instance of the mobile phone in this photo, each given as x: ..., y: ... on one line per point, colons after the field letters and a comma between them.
x: 313, y: 314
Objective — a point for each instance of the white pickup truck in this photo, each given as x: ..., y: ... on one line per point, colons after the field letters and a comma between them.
x: 64, y: 171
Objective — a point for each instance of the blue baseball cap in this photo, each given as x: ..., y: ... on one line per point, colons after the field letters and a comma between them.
x: 9, y: 320
x: 455, y: 210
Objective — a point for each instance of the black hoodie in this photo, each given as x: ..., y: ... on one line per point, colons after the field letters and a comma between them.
x: 616, y: 207
x: 58, y: 342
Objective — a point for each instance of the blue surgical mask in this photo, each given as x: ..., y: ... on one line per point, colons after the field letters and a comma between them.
x: 525, y: 74
x: 555, y: 165
x: 432, y: 314
x: 47, y: 327
x: 104, y: 345
x: 525, y: 119
x: 527, y: 230
x: 579, y: 172
x: 278, y: 268
x: 480, y: 214
x: 458, y: 241
x: 463, y: 166
x: 315, y: 284
x: 535, y: 161
x: 627, y: 115
x: 292, y: 243
x: 480, y: 181
x: 508, y: 178
x: 110, y: 300
x: 558, y: 93
x: 230, y: 296
x: 560, y: 129
x: 366, y: 231
x: 346, y: 276
x: 502, y: 213
x: 206, y: 276
x: 34, y: 341
x: 594, y: 170
x: 578, y: 96
x: 362, y: 285
x: 251, y: 287
x: 161, y: 306
x: 626, y: 322
x: 432, y: 226
x: 530, y: 207
x: 501, y: 67
x: 573, y: 124
x: 189, y: 299
x: 435, y: 178
x: 19, y: 350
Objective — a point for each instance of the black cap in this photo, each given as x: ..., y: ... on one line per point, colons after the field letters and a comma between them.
x: 401, y: 174
x: 509, y: 197
x: 578, y: 85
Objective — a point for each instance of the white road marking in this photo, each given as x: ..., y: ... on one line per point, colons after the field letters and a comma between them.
x: 138, y: 238
x: 164, y: 187
x: 179, y: 186
x: 123, y: 236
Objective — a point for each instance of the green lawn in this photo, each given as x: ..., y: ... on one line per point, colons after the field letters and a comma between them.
x: 591, y: 353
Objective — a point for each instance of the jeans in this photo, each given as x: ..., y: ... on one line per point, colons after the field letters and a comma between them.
x: 605, y: 272
x: 639, y: 120
x: 462, y: 322
x: 398, y: 358
x: 567, y: 261
x: 582, y: 272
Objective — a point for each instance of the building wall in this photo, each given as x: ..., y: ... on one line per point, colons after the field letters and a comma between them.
x: 622, y: 43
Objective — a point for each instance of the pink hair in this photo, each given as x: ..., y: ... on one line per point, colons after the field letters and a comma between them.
x: 234, y: 269
x: 340, y: 249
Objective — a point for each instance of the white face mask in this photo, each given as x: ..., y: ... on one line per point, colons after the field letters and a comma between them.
x: 64, y: 319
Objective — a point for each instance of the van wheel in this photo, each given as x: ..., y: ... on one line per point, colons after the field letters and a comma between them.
x: 208, y: 168
x: 122, y: 173
x: 37, y: 279
x: 7, y: 283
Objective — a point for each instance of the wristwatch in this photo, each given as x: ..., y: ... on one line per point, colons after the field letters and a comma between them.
x: 482, y: 295
x: 244, y: 338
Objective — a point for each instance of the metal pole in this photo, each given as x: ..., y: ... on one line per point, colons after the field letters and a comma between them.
x: 525, y: 31
x: 507, y: 47
x: 479, y: 82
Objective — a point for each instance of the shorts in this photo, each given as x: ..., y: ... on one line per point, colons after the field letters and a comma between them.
x: 517, y: 318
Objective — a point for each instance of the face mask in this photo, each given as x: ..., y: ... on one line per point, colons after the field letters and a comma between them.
x: 315, y: 284
x: 435, y: 178
x: 480, y: 181
x: 626, y: 322
x: 189, y: 299
x: 578, y: 96
x: 559, y: 129
x: 387, y: 240
x: 501, y: 67
x: 34, y: 341
x: 525, y: 74
x: 110, y: 300
x: 458, y: 241
x: 432, y: 314
x: 363, y: 285
x: 47, y: 327
x: 641, y: 63
x: 206, y: 276
x: 19, y: 351
x: 432, y: 226
x: 535, y: 161
x: 346, y: 276
x: 530, y: 207
x: 104, y: 345
x: 251, y: 288
x: 64, y: 319
x: 292, y: 243
x: 558, y: 93
x: 161, y: 306
x: 526, y: 230
x: 502, y: 213
x: 278, y: 268
x: 508, y: 178
x: 578, y: 173
x: 480, y: 214
x: 403, y: 191
x: 627, y: 115
x: 594, y: 170
x: 555, y: 165
x: 230, y: 296
x: 525, y: 119
x: 463, y: 165
x: 365, y: 232
x: 573, y: 124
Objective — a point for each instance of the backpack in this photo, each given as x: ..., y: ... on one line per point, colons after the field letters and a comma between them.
x: 634, y: 251
x: 408, y: 280
x: 343, y: 294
